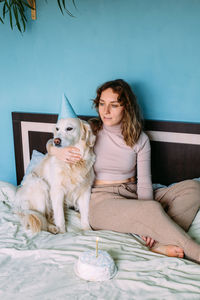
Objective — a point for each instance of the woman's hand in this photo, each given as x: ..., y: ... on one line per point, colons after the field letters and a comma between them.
x: 68, y: 154
x: 149, y: 241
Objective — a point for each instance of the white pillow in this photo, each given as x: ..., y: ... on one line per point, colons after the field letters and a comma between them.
x: 36, y: 158
x: 157, y: 186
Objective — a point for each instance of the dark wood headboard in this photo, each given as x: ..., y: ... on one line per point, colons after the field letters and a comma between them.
x: 175, y: 145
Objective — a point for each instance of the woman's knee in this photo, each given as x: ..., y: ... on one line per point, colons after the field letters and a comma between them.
x: 195, y: 191
x: 189, y: 190
x: 193, y: 188
x: 193, y: 184
x: 190, y: 186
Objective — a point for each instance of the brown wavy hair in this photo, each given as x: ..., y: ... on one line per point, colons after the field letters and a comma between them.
x: 132, y: 120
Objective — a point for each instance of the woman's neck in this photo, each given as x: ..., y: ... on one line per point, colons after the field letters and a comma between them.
x: 115, y: 128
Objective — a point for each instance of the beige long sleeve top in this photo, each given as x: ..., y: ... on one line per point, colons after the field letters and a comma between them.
x: 117, y: 161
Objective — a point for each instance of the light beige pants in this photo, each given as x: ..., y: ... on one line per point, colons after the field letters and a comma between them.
x: 116, y: 207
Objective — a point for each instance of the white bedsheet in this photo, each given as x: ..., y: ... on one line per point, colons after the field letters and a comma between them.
x: 41, y: 266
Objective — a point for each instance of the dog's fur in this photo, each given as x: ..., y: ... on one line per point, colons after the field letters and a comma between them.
x: 55, y: 184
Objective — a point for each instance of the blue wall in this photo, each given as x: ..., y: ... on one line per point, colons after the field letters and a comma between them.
x: 153, y: 44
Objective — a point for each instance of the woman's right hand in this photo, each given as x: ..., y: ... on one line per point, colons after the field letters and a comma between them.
x: 68, y: 154
x: 148, y: 240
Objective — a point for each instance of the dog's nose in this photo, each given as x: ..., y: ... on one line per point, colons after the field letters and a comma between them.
x: 57, y: 141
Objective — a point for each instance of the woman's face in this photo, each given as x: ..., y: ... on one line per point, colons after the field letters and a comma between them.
x: 110, y: 111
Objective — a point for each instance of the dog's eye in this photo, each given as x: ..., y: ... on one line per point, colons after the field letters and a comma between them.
x: 69, y: 128
x: 57, y: 128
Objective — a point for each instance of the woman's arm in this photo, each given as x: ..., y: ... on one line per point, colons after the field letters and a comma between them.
x: 148, y: 240
x: 144, y: 183
x: 67, y: 154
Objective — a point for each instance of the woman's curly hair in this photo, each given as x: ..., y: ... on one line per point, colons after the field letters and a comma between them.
x: 132, y: 120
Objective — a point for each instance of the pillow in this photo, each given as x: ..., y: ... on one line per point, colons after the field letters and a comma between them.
x: 198, y: 179
x: 36, y: 158
x: 157, y: 186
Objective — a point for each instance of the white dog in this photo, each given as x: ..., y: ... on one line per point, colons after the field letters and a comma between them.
x: 55, y: 184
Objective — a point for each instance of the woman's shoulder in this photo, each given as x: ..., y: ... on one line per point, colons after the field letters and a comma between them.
x: 142, y: 141
x: 143, y: 137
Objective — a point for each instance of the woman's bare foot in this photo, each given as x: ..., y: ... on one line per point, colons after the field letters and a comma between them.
x: 169, y: 250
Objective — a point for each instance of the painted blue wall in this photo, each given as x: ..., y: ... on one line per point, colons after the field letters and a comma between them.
x: 153, y: 44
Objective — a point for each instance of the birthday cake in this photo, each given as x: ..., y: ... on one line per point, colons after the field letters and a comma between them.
x: 95, y: 268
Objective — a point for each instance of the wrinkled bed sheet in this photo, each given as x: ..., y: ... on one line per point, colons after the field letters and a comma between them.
x: 41, y: 266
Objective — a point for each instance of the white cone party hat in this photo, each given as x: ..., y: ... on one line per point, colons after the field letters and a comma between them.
x: 67, y: 110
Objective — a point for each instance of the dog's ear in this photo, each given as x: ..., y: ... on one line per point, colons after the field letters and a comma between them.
x: 88, y: 135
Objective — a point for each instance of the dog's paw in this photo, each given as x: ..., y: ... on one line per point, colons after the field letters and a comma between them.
x: 85, y: 226
x: 62, y: 229
x: 53, y: 229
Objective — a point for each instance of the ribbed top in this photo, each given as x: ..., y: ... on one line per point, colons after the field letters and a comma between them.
x: 117, y: 161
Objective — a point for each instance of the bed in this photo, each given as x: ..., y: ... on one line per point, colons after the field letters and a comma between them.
x: 41, y: 266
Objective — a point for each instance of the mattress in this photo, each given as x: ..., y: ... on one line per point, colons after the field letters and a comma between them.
x: 41, y: 266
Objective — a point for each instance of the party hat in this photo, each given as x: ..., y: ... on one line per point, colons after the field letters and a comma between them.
x: 66, y: 109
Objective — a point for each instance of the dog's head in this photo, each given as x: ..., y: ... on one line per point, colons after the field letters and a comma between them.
x: 67, y: 132
x: 70, y: 131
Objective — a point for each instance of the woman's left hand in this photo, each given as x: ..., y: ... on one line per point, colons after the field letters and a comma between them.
x: 149, y: 241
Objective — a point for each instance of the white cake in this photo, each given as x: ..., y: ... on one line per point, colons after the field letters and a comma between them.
x: 100, y: 268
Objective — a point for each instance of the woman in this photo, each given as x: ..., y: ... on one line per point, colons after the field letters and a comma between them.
x: 119, y: 201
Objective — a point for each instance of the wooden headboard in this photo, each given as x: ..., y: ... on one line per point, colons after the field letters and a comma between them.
x: 175, y: 145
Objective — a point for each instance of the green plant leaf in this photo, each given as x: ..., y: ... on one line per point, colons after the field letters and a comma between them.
x: 4, y: 10
x: 15, y: 10
x: 23, y: 17
x: 63, y: 2
x: 26, y: 4
x: 24, y: 23
x: 20, y: 5
x: 73, y: 1
x: 68, y: 12
x: 60, y: 6
x: 10, y: 15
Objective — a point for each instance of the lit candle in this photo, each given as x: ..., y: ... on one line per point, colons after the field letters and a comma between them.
x: 97, y: 239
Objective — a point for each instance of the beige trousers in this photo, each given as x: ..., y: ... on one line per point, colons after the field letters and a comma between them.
x: 116, y: 207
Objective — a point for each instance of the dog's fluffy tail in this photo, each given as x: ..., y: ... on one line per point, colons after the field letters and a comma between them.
x: 33, y: 220
x: 36, y: 222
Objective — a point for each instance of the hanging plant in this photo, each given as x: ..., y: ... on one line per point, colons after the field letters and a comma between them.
x: 15, y: 9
